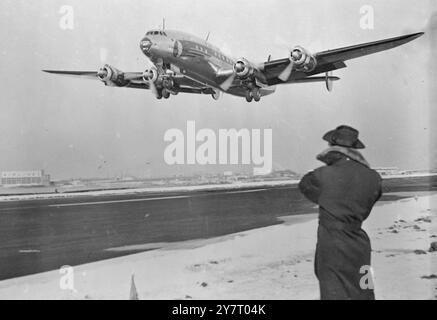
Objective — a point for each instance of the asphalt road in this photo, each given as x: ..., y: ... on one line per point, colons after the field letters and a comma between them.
x: 43, y: 235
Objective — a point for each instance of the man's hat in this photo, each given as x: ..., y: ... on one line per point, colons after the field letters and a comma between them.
x: 344, y: 136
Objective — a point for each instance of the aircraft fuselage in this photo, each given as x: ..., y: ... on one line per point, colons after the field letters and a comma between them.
x: 192, y: 57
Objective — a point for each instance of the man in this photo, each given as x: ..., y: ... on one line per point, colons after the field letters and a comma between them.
x: 345, y: 190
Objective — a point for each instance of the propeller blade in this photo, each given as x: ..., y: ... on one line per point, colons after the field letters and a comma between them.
x: 152, y: 87
x: 228, y: 82
x: 151, y: 84
x: 150, y: 62
x: 285, y: 75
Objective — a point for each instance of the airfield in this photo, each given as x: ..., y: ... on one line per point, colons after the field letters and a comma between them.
x: 42, y: 234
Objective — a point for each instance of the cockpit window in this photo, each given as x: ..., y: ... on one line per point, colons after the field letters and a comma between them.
x: 156, y: 33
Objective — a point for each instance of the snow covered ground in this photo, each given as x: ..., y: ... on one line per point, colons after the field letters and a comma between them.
x: 274, y: 262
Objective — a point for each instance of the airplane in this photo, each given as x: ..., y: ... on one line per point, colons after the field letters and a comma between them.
x: 181, y: 62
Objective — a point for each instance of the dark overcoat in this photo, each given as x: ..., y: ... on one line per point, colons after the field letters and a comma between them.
x: 345, y: 190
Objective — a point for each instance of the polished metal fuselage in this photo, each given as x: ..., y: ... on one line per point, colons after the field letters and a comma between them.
x: 193, y: 58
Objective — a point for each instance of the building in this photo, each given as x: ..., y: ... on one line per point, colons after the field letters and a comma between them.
x: 25, y: 178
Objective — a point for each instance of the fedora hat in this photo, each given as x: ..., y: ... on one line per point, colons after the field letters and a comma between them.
x: 344, y: 136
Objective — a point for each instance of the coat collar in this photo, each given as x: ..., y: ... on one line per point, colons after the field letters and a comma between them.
x: 335, y: 153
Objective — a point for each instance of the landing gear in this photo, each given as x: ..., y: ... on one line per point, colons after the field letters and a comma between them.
x: 256, y: 94
x: 165, y: 93
x: 249, y: 96
x: 253, y: 94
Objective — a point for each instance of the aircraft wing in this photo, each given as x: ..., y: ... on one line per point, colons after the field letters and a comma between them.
x: 330, y: 60
x: 113, y: 77
x: 96, y: 75
x: 352, y: 52
x: 81, y: 74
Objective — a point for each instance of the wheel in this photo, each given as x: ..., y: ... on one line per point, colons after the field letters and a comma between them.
x: 165, y: 93
x: 249, y: 96
x: 256, y: 94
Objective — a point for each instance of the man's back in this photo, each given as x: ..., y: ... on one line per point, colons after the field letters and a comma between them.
x: 345, y: 190
x: 348, y: 190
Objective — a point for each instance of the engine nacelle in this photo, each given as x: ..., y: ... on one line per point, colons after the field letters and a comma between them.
x: 111, y: 76
x: 303, y: 60
x: 243, y: 69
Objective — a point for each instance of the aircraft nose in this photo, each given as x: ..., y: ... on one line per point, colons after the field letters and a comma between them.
x: 146, y: 45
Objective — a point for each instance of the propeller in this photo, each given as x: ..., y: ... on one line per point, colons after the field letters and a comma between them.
x: 294, y: 56
x: 102, y: 73
x: 228, y: 82
x: 151, y: 83
x: 287, y: 71
x: 238, y: 68
x: 152, y: 87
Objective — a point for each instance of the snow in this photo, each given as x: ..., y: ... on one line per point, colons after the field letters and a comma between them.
x: 274, y: 262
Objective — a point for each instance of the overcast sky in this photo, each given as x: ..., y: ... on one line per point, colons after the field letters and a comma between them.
x: 80, y: 128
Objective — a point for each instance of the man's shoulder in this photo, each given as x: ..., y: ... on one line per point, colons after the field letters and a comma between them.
x: 344, y: 166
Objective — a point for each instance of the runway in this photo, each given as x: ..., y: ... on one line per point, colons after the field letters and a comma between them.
x: 43, y: 235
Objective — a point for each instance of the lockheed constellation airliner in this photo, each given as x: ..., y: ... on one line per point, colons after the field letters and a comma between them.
x: 180, y: 62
